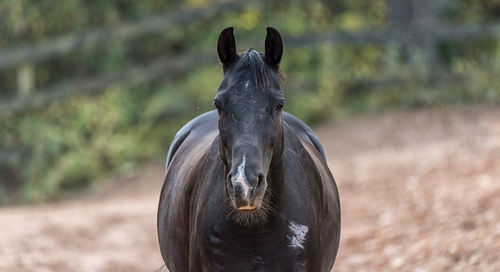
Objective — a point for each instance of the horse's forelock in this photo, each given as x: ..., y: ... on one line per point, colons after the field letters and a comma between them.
x: 252, y: 62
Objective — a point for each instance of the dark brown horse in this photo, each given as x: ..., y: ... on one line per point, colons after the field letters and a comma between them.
x: 247, y: 186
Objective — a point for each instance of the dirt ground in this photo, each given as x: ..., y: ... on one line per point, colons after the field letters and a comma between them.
x: 420, y: 191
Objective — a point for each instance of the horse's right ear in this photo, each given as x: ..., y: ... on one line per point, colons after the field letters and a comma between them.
x: 226, y: 47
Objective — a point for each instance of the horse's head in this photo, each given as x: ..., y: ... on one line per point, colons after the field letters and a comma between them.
x: 249, y: 101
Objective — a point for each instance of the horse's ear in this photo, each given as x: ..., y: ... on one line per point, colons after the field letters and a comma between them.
x: 274, y: 47
x: 226, y: 47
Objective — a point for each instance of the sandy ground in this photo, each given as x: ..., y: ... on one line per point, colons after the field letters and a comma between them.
x: 420, y: 191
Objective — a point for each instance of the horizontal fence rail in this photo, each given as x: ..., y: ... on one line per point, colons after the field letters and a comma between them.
x: 440, y: 33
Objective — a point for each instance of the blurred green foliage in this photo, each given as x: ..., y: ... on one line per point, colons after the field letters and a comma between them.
x: 72, y: 143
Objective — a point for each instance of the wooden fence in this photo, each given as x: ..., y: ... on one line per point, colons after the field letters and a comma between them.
x: 411, y: 23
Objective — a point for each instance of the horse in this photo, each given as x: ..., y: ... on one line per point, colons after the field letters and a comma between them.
x: 247, y: 186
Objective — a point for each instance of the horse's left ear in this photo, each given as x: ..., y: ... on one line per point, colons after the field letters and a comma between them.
x: 274, y: 47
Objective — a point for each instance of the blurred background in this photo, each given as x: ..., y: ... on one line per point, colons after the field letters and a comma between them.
x: 404, y: 95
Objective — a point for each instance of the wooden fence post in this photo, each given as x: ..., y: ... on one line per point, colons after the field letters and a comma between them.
x: 25, y: 79
x: 425, y: 22
x: 416, y: 18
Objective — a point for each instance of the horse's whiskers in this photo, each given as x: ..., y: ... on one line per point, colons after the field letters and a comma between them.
x: 257, y: 217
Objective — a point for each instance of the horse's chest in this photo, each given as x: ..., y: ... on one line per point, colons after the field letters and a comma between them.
x: 280, y: 249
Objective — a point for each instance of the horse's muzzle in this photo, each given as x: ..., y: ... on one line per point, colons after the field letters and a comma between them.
x: 245, y: 192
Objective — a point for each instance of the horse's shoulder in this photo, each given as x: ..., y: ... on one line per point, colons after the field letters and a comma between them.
x: 200, y: 125
x: 304, y: 132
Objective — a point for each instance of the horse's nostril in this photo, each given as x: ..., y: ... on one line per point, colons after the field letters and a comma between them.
x: 260, y: 180
x: 229, y: 178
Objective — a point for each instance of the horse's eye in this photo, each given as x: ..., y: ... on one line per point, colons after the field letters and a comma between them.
x: 217, y: 104
x: 280, y: 105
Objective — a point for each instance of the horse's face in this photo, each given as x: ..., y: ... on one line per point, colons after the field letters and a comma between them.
x: 249, y: 102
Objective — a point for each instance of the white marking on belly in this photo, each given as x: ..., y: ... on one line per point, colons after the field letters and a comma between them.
x: 298, y: 236
x: 246, y: 84
x: 240, y: 177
